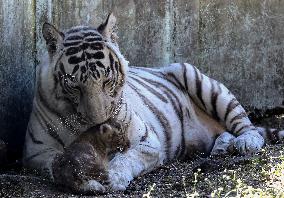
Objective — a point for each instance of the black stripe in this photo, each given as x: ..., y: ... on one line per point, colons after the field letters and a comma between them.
x: 92, y: 39
x: 169, y: 93
x: 86, y: 34
x: 111, y: 60
x: 177, y: 152
x: 75, y: 69
x: 161, y: 118
x: 185, y: 77
x: 99, y: 64
x: 233, y: 128
x: 198, y: 84
x: 182, y: 143
x: 157, y: 74
x: 33, y: 137
x: 114, y: 78
x: 37, y: 154
x: 75, y: 37
x: 113, y: 72
x: 121, y: 75
x: 78, y: 29
x: 214, y: 97
x: 144, y: 137
x: 97, y: 55
x: 39, y: 117
x: 176, y: 82
x: 239, y: 116
x: 153, y: 91
x: 62, y: 69
x: 96, y: 46
x: 69, y: 44
x: 118, y: 75
x: 121, y: 71
x: 244, y: 127
x: 76, y: 60
x: 72, y: 50
x: 146, y: 145
x: 53, y: 133
x: 232, y: 105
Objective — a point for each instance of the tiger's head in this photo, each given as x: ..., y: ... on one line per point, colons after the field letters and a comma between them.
x: 87, y: 68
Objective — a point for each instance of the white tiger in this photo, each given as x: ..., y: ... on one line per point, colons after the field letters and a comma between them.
x: 170, y: 112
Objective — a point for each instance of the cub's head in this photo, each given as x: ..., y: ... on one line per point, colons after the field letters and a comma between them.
x: 87, y: 157
x: 87, y: 68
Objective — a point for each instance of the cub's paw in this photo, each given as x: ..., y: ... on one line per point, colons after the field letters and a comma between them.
x: 248, y: 142
x: 222, y: 143
x: 119, y: 180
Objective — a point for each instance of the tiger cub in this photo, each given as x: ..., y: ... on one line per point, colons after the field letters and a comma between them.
x: 84, y: 163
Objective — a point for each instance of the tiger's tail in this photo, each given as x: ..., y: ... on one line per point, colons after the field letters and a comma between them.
x: 271, y: 136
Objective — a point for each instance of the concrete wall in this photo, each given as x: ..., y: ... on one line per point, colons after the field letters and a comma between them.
x: 16, y: 69
x: 240, y: 43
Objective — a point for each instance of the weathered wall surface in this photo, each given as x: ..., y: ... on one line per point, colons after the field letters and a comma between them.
x: 240, y: 43
x: 16, y: 70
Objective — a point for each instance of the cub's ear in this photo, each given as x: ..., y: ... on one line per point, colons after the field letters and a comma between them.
x: 106, y: 129
x: 106, y: 132
x: 107, y: 29
x: 53, y: 37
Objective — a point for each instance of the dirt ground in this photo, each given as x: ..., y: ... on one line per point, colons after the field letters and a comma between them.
x: 231, y: 176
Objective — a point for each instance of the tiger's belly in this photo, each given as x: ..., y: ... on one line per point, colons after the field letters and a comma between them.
x: 183, y: 129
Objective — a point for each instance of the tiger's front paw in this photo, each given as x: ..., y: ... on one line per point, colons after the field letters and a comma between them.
x: 119, y: 180
x: 248, y: 142
x: 222, y: 144
x: 91, y: 186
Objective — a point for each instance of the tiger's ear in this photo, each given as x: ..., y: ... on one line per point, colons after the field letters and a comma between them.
x: 52, y: 36
x: 107, y: 29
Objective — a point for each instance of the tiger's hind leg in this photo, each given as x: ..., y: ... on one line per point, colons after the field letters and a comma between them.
x: 218, y: 102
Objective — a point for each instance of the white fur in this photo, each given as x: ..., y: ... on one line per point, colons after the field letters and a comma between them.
x: 248, y: 142
x: 92, y: 186
x: 222, y: 144
x: 154, y: 101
